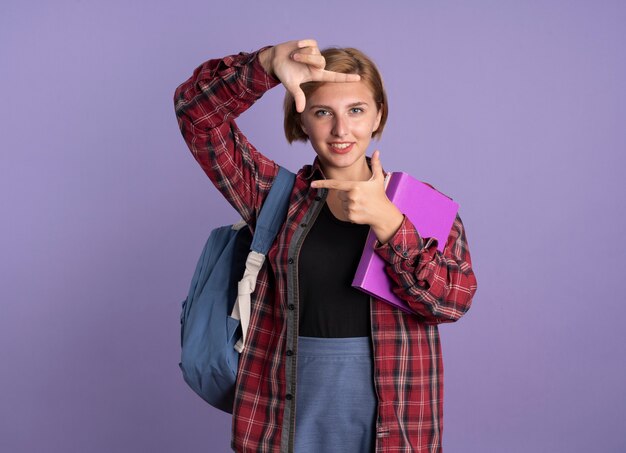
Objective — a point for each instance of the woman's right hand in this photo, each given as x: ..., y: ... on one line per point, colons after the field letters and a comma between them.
x: 297, y: 62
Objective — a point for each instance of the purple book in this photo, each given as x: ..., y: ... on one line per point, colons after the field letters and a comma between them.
x: 431, y: 212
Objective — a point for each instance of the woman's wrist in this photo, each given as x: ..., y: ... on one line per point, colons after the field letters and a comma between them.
x: 389, y: 224
x: 265, y: 58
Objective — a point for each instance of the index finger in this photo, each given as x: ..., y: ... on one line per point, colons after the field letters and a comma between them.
x: 330, y: 76
x: 332, y: 184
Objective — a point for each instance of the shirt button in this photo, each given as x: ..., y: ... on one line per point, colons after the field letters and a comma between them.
x: 288, y: 396
x: 292, y: 307
x: 398, y: 248
x: 405, y: 254
x: 303, y: 225
x: 290, y: 260
x: 318, y: 198
x: 289, y: 352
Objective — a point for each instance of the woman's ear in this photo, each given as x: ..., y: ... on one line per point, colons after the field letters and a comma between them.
x: 379, y: 116
x: 303, y: 127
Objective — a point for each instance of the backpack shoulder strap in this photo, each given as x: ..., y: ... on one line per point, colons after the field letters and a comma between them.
x: 273, y: 212
x: 271, y: 217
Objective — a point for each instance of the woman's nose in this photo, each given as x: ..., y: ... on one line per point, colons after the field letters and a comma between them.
x: 340, y: 128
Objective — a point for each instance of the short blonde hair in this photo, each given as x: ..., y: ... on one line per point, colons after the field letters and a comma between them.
x: 346, y: 60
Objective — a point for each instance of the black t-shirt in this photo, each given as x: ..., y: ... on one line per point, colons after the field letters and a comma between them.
x: 329, y: 306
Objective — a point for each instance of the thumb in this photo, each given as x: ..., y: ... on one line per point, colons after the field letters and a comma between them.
x: 299, y: 98
x: 377, y: 168
x: 298, y: 95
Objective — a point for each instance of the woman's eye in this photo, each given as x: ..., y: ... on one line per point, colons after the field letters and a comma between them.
x: 356, y: 110
x: 322, y: 113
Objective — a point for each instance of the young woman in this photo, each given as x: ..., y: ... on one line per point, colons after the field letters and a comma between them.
x: 326, y: 368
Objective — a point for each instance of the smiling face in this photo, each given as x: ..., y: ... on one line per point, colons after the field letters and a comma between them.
x: 339, y: 119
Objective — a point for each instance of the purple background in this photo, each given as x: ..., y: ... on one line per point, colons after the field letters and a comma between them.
x: 515, y: 109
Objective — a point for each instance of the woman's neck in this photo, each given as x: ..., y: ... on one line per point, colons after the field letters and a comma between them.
x: 353, y: 173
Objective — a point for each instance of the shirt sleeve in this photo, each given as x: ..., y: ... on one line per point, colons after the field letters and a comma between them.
x: 206, y: 107
x: 437, y: 286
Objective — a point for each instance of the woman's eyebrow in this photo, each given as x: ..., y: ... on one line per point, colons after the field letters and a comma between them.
x: 356, y: 104
x: 327, y: 107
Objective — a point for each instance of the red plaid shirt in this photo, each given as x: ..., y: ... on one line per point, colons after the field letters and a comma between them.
x: 408, y: 368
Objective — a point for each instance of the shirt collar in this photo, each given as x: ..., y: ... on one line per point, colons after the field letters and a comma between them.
x: 313, y: 172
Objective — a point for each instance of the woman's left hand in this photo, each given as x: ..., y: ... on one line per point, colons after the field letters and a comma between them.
x: 365, y: 202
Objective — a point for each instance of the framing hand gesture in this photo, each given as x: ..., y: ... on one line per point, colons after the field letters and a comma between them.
x: 297, y: 62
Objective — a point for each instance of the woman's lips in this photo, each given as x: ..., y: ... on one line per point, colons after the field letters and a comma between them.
x: 341, y: 148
